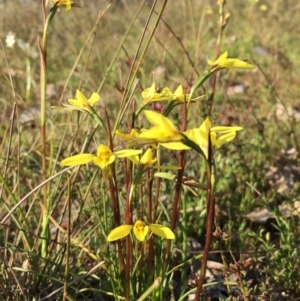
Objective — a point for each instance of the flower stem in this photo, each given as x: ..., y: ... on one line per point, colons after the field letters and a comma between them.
x: 43, y: 79
x: 178, y: 186
x: 210, y: 217
x: 114, y: 194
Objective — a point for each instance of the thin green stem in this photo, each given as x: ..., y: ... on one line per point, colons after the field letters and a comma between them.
x: 67, y: 264
x: 154, y: 214
x: 43, y: 84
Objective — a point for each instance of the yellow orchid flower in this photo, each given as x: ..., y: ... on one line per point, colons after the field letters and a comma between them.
x: 140, y: 230
x: 103, y: 158
x: 163, y: 131
x: 81, y: 103
x: 67, y: 3
x: 179, y: 95
x: 218, y: 135
x: 145, y: 160
x: 127, y: 137
x: 224, y: 62
x: 150, y: 95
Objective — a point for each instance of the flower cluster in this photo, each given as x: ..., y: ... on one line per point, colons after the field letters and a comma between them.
x: 163, y: 132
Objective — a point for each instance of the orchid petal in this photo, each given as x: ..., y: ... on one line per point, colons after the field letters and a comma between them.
x: 93, y: 99
x: 162, y: 231
x: 77, y: 160
x: 225, y: 129
x: 175, y: 146
x: 147, y: 158
x: 119, y: 232
x: 163, y: 130
x: 140, y: 230
x: 224, y: 62
x: 127, y: 153
x: 225, y: 138
x: 104, y: 161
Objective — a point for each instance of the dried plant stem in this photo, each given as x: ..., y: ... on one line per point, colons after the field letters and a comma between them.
x: 114, y: 194
x: 210, y: 185
x: 210, y: 217
x: 178, y: 187
x: 176, y: 203
x: 128, y: 221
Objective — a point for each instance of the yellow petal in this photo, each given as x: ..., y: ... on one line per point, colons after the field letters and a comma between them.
x: 75, y: 103
x: 224, y: 62
x: 236, y: 64
x: 77, y: 160
x: 179, y: 92
x: 225, y: 129
x: 165, y: 94
x: 68, y: 5
x: 81, y: 98
x: 103, y: 149
x: 80, y: 102
x: 155, y: 133
x: 134, y: 159
x: 175, y: 146
x: 147, y: 158
x: 162, y: 231
x: 163, y: 130
x: 119, y: 232
x: 222, y: 58
x: 213, y: 138
x: 199, y: 136
x: 93, y: 99
x: 149, y: 92
x: 210, y: 62
x: 150, y: 95
x: 133, y: 133
x: 158, y: 119
x: 219, y: 61
x: 206, y: 125
x: 179, y: 95
x: 140, y: 230
x: 103, y: 162
x: 104, y: 156
x: 127, y: 153
x: 225, y: 138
